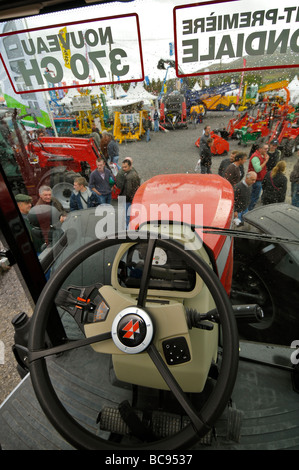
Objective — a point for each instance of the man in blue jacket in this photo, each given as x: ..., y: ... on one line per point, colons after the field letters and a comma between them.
x: 83, y: 197
x: 101, y: 180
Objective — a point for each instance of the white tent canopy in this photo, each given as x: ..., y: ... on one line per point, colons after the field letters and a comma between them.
x: 122, y: 102
x: 139, y: 92
x: 96, y: 90
x: 116, y: 92
x: 196, y: 87
x: 294, y: 90
x: 135, y: 95
x: 119, y: 91
x: 67, y: 99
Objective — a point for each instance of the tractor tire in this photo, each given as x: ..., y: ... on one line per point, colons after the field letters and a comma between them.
x: 65, y: 177
x: 289, y: 148
x: 61, y: 183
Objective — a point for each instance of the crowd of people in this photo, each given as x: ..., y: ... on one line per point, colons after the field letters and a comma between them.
x: 265, y: 179
x: 44, y: 220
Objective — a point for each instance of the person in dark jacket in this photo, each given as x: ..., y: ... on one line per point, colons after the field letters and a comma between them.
x: 147, y: 125
x: 257, y: 163
x: 104, y: 144
x: 113, y: 150
x: 205, y: 136
x: 46, y: 198
x: 275, y: 185
x: 83, y: 197
x: 227, y: 161
x: 206, y: 156
x: 232, y: 172
x: 128, y: 181
x: 294, y: 179
x: 274, y: 155
x: 100, y: 181
x: 242, y: 193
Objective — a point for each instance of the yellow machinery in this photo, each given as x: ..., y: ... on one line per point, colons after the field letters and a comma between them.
x: 200, y: 109
x: 282, y: 105
x: 218, y: 102
x: 244, y: 102
x: 128, y: 126
x: 86, y: 118
x: 241, y: 105
x: 223, y: 102
x: 274, y: 86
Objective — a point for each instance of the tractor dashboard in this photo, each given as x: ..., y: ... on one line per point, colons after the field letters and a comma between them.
x: 168, y: 272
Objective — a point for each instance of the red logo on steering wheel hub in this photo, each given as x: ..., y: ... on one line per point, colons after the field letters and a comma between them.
x: 131, y: 328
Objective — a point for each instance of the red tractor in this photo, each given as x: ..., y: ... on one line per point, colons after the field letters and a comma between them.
x: 220, y: 145
x: 51, y: 161
x: 287, y: 134
x: 285, y: 131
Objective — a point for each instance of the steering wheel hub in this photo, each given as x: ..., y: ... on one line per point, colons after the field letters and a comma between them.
x: 132, y: 330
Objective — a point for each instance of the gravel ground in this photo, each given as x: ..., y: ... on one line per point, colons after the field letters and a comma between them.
x: 12, y: 301
x: 171, y: 152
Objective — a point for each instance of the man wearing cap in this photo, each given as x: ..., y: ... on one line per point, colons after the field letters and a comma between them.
x: 25, y: 203
x: 274, y: 155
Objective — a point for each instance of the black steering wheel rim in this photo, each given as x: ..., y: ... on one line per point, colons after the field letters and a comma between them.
x: 63, y: 422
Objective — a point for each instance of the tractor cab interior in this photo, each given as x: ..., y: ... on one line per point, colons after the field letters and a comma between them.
x: 176, y: 330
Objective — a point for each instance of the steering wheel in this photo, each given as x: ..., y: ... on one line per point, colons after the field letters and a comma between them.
x: 200, y: 421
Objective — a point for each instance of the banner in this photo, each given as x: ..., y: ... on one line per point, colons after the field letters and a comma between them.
x: 106, y: 49
x: 216, y: 34
x: 26, y: 100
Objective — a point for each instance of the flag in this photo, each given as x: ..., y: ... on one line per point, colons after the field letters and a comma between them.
x: 66, y: 52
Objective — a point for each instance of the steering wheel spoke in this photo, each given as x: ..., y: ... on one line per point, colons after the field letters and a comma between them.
x: 176, y: 389
x: 146, y: 272
x: 68, y: 346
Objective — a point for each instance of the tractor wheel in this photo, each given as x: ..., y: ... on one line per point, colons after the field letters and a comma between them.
x: 61, y: 183
x: 289, y: 148
x: 63, y: 188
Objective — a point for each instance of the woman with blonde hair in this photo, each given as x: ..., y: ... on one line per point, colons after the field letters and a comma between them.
x: 275, y: 184
x: 294, y: 179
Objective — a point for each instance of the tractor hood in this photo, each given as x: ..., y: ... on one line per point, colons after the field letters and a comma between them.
x: 199, y: 200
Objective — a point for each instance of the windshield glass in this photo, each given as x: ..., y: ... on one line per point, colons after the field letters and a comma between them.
x: 162, y: 112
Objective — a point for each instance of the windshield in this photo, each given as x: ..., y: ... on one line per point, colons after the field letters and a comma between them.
x: 162, y: 112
